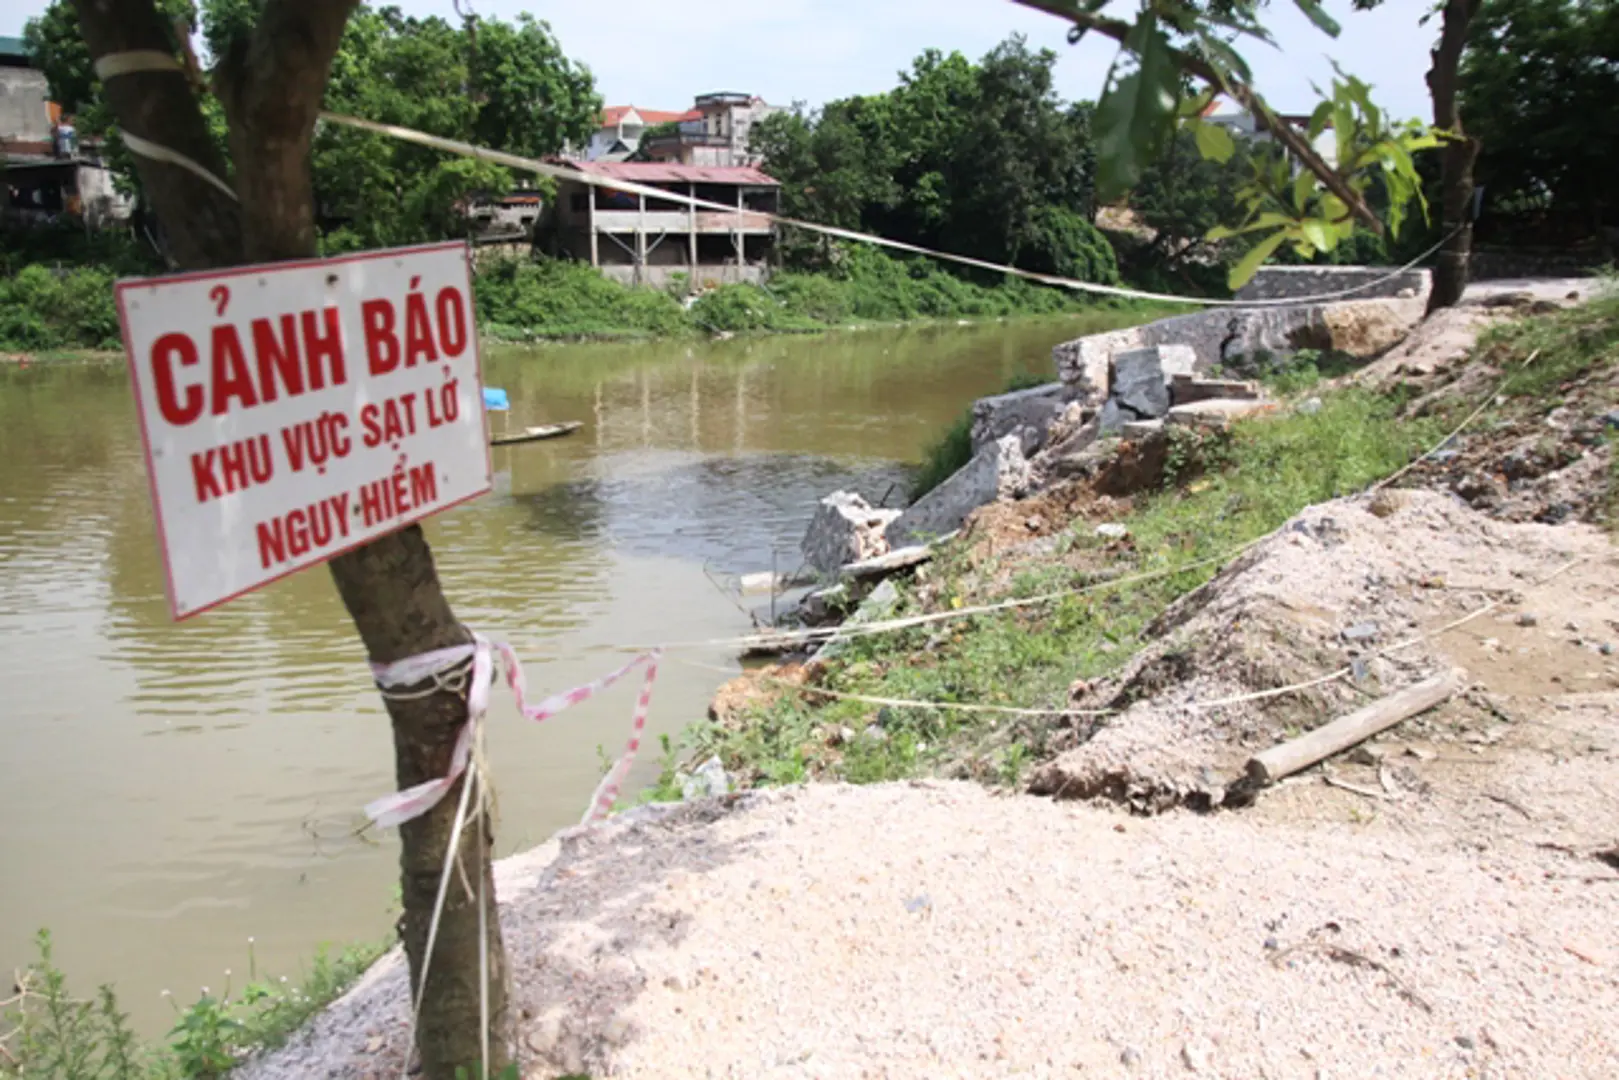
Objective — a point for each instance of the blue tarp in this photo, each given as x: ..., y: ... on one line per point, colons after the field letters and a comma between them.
x: 495, y: 399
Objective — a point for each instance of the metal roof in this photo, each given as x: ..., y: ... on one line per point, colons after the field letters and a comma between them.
x: 13, y: 46
x: 653, y: 172
x: 613, y: 115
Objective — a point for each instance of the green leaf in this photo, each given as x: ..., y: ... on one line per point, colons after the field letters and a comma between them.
x: 1319, y: 236
x: 1324, y: 22
x: 1136, y: 113
x: 1225, y: 60
x: 1303, y: 185
x: 1214, y: 142
x: 1251, y: 262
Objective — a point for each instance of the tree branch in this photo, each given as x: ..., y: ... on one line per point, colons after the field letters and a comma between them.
x: 159, y: 106
x: 272, y: 85
x: 1292, y: 141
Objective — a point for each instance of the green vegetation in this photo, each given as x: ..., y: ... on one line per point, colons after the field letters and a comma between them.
x: 977, y: 159
x: 48, y: 1034
x: 954, y: 448
x: 522, y: 300
x: 41, y: 309
x: 1249, y: 482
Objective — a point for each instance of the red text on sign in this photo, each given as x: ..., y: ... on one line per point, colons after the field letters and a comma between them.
x: 290, y: 356
x: 298, y: 532
x: 427, y: 333
x: 398, y: 493
x: 221, y: 470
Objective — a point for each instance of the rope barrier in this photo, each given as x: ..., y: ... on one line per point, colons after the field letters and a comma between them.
x: 558, y: 172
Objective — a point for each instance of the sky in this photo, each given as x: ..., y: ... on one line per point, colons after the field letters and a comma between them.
x: 659, y: 55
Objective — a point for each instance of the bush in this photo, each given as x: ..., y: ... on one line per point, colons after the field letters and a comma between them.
x: 44, y: 309
x: 553, y: 298
x: 740, y: 308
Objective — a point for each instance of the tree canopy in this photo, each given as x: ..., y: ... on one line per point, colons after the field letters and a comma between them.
x: 496, y: 83
x: 1540, y: 88
x: 981, y: 159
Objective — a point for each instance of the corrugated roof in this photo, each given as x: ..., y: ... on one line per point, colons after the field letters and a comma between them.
x: 654, y: 172
x: 613, y: 115
x: 13, y: 46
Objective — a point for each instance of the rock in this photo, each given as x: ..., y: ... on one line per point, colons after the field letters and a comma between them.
x: 1364, y: 755
x: 998, y: 471
x: 1141, y: 429
x: 822, y: 605
x: 1527, y: 619
x: 1610, y: 420
x: 1195, y: 1056
x: 1112, y: 530
x: 1056, y: 464
x: 1361, y: 631
x: 1606, y: 648
x: 1130, y: 1057
x: 845, y: 529
x: 875, y: 607
x: 1112, y: 418
x: 1068, y: 423
x: 1185, y: 389
x: 1217, y: 412
x: 1138, y: 382
x: 707, y: 781
x: 1290, y: 282
x: 1028, y: 414
x: 1310, y: 406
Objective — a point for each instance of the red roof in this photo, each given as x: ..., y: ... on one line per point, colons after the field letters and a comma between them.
x: 613, y: 115
x: 655, y: 172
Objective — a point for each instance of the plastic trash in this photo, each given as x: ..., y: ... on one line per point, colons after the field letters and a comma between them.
x: 495, y: 399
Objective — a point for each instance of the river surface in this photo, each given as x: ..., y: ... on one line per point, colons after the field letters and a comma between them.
x: 168, y: 792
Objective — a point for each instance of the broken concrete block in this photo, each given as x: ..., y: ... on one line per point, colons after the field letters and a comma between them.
x: 1185, y: 389
x: 845, y: 529
x: 1142, y: 429
x: 1026, y: 413
x: 1113, y: 417
x: 998, y: 471
x: 1217, y: 412
x: 1138, y: 382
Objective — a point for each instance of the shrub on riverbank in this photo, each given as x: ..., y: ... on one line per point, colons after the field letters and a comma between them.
x: 43, y: 309
x: 47, y: 1032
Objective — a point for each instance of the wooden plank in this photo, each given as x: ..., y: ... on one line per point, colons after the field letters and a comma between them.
x: 1287, y: 758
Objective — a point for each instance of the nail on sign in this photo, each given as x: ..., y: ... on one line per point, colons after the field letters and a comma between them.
x: 293, y: 411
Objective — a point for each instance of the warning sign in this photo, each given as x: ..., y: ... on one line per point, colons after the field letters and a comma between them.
x: 293, y: 411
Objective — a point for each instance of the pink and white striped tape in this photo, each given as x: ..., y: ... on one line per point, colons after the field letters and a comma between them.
x: 402, y: 806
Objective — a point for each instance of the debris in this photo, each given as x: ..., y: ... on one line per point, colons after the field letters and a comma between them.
x: 897, y: 559
x: 1217, y: 413
x: 998, y: 471
x: 1112, y: 530
x: 1142, y: 429
x: 1526, y: 619
x: 1361, y: 631
x: 1185, y: 389
x: 1138, y: 383
x: 1310, y: 406
x: 1271, y: 765
x: 709, y: 780
x: 845, y: 529
x: 1028, y: 414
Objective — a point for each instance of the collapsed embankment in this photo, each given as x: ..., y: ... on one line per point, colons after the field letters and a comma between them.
x: 1435, y: 903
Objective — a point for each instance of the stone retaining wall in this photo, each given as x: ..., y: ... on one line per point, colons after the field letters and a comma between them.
x: 1288, y: 282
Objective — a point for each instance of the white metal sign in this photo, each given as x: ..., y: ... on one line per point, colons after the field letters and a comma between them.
x: 293, y: 411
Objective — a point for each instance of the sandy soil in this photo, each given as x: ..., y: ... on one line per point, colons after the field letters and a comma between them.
x: 936, y: 930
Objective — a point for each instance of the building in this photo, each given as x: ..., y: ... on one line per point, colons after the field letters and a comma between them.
x: 714, y: 131
x: 647, y: 241
x: 46, y: 176
x: 621, y: 129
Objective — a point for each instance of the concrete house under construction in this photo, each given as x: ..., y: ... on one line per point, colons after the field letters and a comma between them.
x: 643, y: 240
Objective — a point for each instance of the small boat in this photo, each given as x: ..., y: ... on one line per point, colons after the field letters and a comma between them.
x: 535, y: 434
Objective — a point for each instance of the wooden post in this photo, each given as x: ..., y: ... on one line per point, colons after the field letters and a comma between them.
x: 1271, y: 765
x: 590, y: 218
x: 640, y: 240
x: 691, y: 193
x: 736, y: 233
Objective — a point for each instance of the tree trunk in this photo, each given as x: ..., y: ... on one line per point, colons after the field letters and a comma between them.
x: 272, y: 86
x: 1457, y: 158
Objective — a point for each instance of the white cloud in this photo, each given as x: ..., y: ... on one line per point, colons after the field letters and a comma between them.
x: 659, y: 54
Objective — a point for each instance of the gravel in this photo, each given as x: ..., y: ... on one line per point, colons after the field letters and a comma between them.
x: 931, y: 930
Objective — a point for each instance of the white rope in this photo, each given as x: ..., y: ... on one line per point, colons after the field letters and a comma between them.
x: 153, y: 152
x: 135, y: 60
x: 543, y: 168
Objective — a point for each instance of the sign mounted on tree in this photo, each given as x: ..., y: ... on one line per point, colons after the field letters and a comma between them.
x: 295, y: 410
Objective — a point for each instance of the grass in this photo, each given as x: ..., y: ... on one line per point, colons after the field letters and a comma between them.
x: 1250, y: 482
x: 48, y: 1034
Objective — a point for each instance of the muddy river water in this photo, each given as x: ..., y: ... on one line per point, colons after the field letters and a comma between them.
x: 169, y: 791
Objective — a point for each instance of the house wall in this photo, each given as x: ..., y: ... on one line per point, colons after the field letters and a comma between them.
x: 23, y: 111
